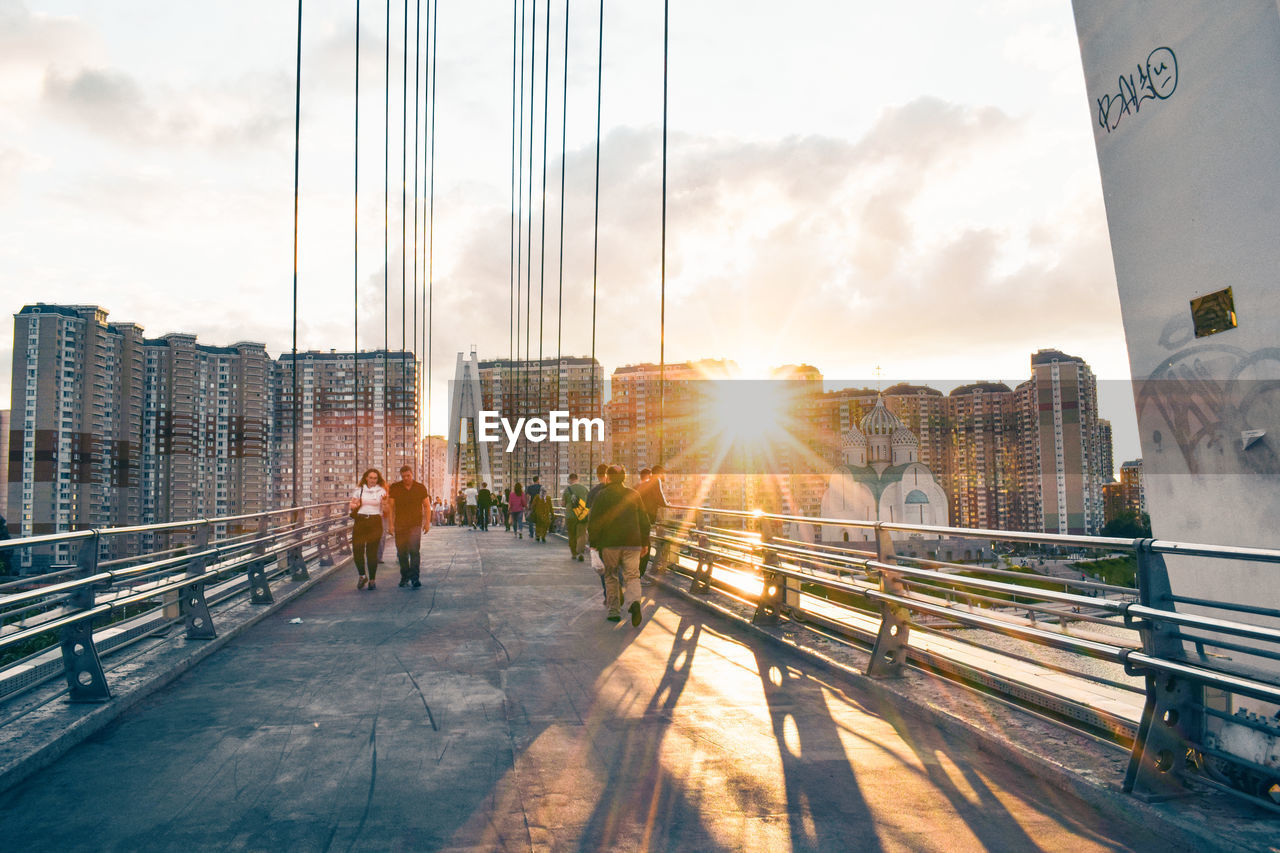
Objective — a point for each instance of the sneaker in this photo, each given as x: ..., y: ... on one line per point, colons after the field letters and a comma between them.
x: 416, y: 583
x: 635, y: 613
x: 372, y: 586
x: 361, y: 582
x: 581, y: 558
x: 403, y: 582
x: 614, y: 616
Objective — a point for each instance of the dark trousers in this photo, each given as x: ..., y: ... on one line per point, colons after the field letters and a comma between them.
x: 408, y: 544
x: 366, y: 536
x: 484, y: 517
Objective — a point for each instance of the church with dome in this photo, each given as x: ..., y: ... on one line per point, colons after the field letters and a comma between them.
x: 881, y: 479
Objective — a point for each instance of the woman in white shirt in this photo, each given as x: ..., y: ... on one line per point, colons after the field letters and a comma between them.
x: 367, y: 503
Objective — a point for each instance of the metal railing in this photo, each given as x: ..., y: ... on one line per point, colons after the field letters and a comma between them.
x: 1182, y: 683
x: 100, y: 605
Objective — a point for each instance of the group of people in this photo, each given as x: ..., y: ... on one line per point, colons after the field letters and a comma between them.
x: 516, y: 507
x: 609, y: 518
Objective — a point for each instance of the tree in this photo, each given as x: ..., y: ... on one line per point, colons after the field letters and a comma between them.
x: 1129, y: 525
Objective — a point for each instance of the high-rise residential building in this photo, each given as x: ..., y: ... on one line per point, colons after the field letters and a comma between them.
x: 74, y: 427
x: 432, y: 466
x: 670, y: 423
x: 353, y: 412
x: 206, y: 429
x: 1106, y: 452
x: 1061, y: 419
x: 4, y: 463
x: 1134, y: 495
x: 534, y: 389
x: 924, y: 411
x: 984, y: 444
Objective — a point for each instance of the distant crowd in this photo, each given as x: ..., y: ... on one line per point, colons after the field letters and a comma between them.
x: 609, y: 522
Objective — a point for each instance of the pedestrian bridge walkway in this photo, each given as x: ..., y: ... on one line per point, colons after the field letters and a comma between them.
x: 496, y: 709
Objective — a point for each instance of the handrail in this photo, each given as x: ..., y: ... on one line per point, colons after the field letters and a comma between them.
x: 1136, y: 631
x: 89, y: 591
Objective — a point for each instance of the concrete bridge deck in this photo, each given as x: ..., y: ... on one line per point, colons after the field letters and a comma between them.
x: 496, y: 709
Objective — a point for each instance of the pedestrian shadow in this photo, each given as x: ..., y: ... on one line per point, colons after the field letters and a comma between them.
x: 643, y: 805
x: 972, y: 798
x: 822, y: 792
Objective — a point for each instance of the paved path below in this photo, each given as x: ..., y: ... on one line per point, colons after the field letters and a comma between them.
x: 495, y: 708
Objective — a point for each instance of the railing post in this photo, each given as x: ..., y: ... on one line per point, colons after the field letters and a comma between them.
x: 259, y: 588
x: 325, y: 544
x: 1172, y: 719
x: 890, y: 650
x: 195, y: 609
x: 666, y: 549
x: 771, y: 592
x: 86, y: 682
x: 297, y: 565
x: 701, y: 583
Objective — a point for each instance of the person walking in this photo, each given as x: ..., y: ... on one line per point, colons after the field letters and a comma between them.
x: 472, y: 497
x: 575, y: 517
x: 614, y: 527
x: 484, y: 500
x: 368, y: 503
x: 650, y: 490
x: 504, y: 507
x: 542, y: 511
x: 519, y: 502
x: 410, y: 518
x: 534, y: 489
x: 601, y: 481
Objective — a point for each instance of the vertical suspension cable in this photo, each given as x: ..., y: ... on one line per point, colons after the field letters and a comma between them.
x: 355, y: 265
x: 521, y: 376
x: 417, y: 367
x: 431, y: 217
x: 402, y: 392
x: 511, y: 295
x: 542, y: 216
x: 564, y: 130
x: 595, y: 228
x: 528, y: 303
x: 662, y: 299
x: 426, y: 322
x: 297, y: 151
x: 386, y: 234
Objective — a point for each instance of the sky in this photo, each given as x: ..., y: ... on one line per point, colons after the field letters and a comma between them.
x: 887, y: 191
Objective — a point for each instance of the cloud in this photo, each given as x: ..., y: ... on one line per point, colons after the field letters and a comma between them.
x: 28, y: 39
x: 811, y: 249
x: 246, y: 113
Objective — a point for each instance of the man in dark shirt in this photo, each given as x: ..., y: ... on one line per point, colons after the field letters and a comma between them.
x: 410, y: 518
x: 484, y: 500
x: 650, y: 490
x: 615, y: 527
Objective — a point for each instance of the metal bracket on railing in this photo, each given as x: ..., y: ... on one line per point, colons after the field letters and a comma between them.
x: 297, y: 565
x: 890, y: 650
x: 325, y: 547
x: 1172, y: 721
x: 259, y: 588
x: 86, y: 682
x: 195, y: 610
x: 701, y: 583
x: 770, y: 601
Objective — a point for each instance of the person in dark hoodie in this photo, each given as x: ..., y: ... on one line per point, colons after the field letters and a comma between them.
x: 615, y: 527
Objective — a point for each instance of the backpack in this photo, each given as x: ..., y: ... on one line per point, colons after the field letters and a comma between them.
x: 580, y: 510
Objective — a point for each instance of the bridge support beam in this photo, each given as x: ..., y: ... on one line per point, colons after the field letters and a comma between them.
x: 86, y: 682
x: 1172, y: 716
x: 195, y: 610
x: 890, y: 650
